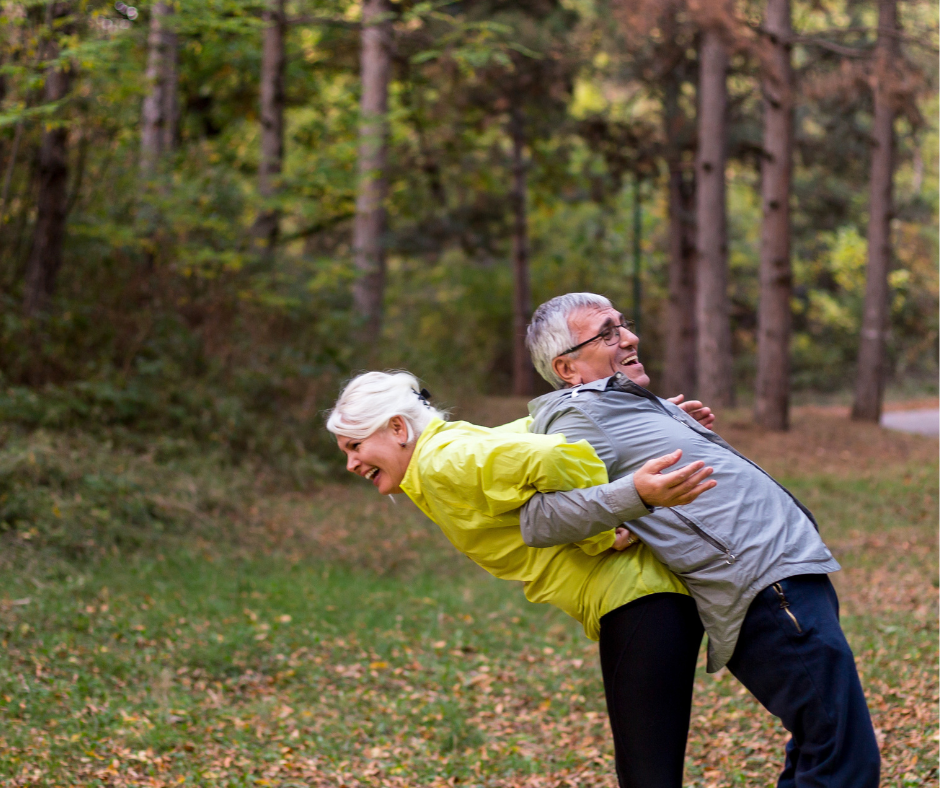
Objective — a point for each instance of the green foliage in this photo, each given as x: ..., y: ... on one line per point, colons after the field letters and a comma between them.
x: 80, y: 496
x: 829, y: 313
x: 168, y: 319
x: 152, y: 372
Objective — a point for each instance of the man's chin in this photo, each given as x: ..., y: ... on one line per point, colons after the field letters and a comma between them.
x: 637, y: 374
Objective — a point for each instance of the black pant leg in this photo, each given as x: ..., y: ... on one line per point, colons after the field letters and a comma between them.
x: 648, y: 651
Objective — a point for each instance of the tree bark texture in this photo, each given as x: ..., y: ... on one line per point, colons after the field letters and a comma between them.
x: 273, y: 63
x: 45, y: 257
x: 522, y: 369
x: 160, y: 110
x: 772, y: 394
x: 715, y: 385
x: 369, y: 228
x: 171, y: 108
x: 679, y: 331
x: 870, y: 379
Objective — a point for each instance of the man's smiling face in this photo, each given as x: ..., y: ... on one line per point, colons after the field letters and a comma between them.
x: 598, y: 360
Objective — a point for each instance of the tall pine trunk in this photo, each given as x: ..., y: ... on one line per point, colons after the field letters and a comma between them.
x: 869, y: 384
x: 715, y: 386
x: 171, y: 108
x: 159, y: 111
x: 772, y: 394
x: 369, y: 229
x: 273, y: 63
x: 679, y: 331
x: 522, y: 377
x: 45, y: 257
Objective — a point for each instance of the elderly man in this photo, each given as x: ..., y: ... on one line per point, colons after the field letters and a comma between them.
x: 749, y: 551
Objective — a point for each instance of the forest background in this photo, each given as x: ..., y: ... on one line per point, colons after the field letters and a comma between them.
x: 213, y: 212
x: 182, y: 251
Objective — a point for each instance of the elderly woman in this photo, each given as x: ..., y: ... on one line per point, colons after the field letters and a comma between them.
x: 471, y: 482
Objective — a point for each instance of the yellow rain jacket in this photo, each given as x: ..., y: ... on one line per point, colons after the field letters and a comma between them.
x: 472, y: 481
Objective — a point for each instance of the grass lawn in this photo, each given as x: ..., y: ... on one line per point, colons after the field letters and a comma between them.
x: 169, y: 620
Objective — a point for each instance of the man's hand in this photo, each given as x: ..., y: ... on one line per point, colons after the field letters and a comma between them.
x: 624, y: 538
x: 702, y: 414
x: 674, y: 488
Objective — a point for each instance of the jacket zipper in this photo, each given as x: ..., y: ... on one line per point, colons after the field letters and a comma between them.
x: 730, y: 558
x: 785, y: 606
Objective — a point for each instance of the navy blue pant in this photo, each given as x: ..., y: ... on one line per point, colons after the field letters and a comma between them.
x: 793, y: 657
x: 648, y: 652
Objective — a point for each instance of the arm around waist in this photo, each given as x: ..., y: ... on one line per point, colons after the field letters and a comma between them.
x: 549, y: 519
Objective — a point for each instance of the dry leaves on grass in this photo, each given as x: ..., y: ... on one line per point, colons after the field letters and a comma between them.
x: 347, y: 525
x: 891, y: 620
x: 339, y: 713
x: 825, y: 441
x: 376, y: 704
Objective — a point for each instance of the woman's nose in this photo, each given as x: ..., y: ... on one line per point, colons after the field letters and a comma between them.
x: 351, y: 463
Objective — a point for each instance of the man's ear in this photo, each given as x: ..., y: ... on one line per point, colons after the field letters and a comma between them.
x: 566, y: 371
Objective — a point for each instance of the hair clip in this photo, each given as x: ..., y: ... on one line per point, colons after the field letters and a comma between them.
x: 424, y: 395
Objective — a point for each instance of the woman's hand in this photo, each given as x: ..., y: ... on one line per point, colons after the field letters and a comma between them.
x: 624, y: 538
x: 701, y: 413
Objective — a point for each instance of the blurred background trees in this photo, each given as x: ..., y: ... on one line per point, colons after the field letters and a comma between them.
x: 213, y: 211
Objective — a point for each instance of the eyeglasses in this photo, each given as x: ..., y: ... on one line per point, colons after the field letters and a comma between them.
x: 610, y: 335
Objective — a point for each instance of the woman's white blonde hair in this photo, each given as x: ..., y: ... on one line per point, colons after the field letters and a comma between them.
x: 370, y: 400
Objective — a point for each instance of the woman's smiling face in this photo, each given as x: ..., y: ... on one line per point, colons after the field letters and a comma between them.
x: 380, y: 458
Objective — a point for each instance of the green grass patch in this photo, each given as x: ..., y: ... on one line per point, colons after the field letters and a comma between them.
x: 140, y: 659
x: 213, y: 631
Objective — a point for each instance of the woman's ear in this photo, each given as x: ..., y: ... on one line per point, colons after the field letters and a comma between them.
x: 565, y: 370
x: 399, y: 429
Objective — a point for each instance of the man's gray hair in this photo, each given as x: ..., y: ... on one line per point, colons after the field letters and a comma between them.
x: 549, y: 334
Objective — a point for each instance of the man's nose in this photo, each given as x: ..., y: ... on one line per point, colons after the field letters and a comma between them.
x: 628, y: 338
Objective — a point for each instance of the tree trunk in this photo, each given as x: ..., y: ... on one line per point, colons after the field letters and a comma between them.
x: 637, y: 254
x: 158, y: 115
x: 45, y: 256
x: 679, y: 331
x: 8, y: 175
x: 869, y: 384
x: 772, y: 391
x: 369, y: 229
x: 273, y: 62
x: 171, y: 108
x: 522, y: 377
x: 715, y: 386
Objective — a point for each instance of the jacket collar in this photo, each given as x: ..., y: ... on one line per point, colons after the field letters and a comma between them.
x: 616, y: 382
x: 620, y: 382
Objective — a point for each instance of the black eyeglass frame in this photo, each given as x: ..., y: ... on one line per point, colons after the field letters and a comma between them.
x: 630, y: 325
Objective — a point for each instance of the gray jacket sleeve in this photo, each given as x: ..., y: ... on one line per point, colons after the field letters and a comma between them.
x: 549, y: 519
x: 555, y: 518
